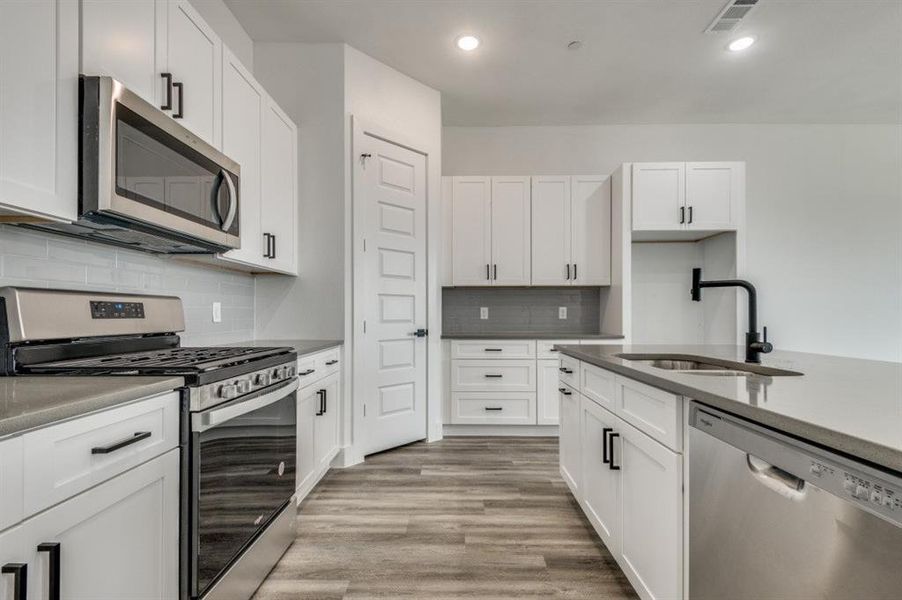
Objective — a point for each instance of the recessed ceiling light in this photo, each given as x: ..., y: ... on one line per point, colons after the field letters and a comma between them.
x: 741, y: 44
x: 468, y: 42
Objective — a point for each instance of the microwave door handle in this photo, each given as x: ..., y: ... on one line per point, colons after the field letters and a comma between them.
x: 233, y: 202
x: 209, y: 419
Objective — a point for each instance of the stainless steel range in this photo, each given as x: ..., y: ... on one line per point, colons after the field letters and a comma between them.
x: 239, y: 428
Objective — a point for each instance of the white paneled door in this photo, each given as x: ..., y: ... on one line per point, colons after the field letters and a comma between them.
x: 390, y: 193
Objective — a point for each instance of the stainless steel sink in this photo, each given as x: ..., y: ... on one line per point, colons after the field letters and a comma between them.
x: 705, y: 365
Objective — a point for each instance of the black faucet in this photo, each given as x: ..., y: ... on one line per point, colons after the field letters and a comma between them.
x: 754, y: 346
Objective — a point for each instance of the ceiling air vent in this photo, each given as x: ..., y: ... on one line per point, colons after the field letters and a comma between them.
x: 731, y: 15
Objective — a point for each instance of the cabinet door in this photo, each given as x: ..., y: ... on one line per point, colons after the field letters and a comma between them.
x: 242, y: 112
x: 551, y: 231
x: 659, y: 194
x: 325, y: 426
x: 547, y: 409
x: 39, y: 107
x: 712, y: 190
x: 510, y: 231
x: 14, y: 550
x: 194, y: 57
x: 308, y: 406
x: 279, y: 197
x: 569, y: 442
x: 590, y: 226
x: 652, y: 513
x: 601, y: 482
x: 117, y: 541
x: 471, y: 230
x: 119, y: 39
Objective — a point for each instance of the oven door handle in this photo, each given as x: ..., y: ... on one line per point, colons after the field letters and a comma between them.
x: 210, y: 418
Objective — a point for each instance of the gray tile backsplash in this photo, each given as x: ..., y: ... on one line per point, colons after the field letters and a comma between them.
x: 517, y: 310
x: 34, y: 259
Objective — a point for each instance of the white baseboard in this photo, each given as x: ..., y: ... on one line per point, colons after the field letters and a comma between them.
x: 502, y: 430
x: 346, y: 457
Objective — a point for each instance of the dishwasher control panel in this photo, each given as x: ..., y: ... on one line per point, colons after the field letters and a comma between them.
x: 863, y: 489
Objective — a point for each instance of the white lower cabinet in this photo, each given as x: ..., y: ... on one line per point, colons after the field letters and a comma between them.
x: 318, y: 420
x: 117, y: 541
x: 629, y: 484
x: 325, y: 425
x: 493, y: 408
x: 547, y: 400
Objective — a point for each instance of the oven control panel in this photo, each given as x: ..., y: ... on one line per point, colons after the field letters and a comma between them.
x: 205, y: 396
x: 117, y: 310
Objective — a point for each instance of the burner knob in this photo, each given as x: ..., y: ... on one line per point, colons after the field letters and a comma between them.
x: 244, y: 386
x: 262, y: 379
x: 227, y: 391
x: 276, y: 374
x: 292, y: 371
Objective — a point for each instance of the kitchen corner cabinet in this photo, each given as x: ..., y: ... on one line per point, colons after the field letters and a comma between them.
x: 39, y: 108
x: 693, y: 196
x: 490, y: 231
x: 571, y: 230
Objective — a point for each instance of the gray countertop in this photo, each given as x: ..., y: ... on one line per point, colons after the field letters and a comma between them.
x: 302, y: 347
x: 847, y: 404
x: 530, y: 335
x: 28, y: 402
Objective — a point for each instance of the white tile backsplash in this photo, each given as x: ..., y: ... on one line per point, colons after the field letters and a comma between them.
x: 35, y: 259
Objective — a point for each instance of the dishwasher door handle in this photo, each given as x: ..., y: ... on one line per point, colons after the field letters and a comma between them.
x: 775, y: 478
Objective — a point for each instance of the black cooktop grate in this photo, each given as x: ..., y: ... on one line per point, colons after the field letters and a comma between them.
x: 170, y: 360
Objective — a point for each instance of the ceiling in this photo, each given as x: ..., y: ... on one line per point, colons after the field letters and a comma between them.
x: 641, y: 61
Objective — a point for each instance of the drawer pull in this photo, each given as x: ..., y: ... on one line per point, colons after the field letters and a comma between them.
x: 565, y: 391
x: 494, y: 408
x: 307, y: 372
x: 19, y: 571
x: 53, y: 577
x: 329, y: 363
x: 134, y: 439
x: 493, y: 376
x: 566, y: 370
x: 494, y: 349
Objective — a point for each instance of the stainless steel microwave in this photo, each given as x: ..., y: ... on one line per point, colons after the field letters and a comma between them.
x: 148, y: 183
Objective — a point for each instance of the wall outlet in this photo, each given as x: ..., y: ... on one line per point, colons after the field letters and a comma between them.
x: 217, y: 312
x: 562, y: 312
x: 484, y: 312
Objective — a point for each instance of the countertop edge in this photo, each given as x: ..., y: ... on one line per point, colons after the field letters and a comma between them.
x: 530, y: 336
x: 856, y: 447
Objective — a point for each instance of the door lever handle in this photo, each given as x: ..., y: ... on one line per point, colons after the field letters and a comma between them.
x: 420, y: 333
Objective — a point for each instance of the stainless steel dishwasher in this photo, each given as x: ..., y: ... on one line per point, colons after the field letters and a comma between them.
x: 773, y: 517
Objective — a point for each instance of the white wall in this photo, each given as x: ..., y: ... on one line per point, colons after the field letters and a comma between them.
x: 824, y: 212
x: 220, y: 18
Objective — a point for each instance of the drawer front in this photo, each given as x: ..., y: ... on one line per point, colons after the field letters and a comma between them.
x: 501, y: 349
x: 308, y: 372
x: 62, y: 460
x: 599, y: 385
x: 654, y: 412
x: 545, y: 348
x: 11, y: 472
x: 493, y: 408
x: 328, y: 362
x: 569, y: 371
x: 493, y: 375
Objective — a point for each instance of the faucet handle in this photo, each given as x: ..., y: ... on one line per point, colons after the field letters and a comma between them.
x: 766, y: 346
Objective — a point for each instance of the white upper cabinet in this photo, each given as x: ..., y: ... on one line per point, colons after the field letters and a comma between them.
x: 193, y: 57
x: 590, y: 227
x: 659, y: 196
x: 243, y: 101
x: 471, y: 231
x: 510, y: 231
x: 119, y: 39
x: 279, y: 190
x: 551, y: 231
x: 571, y: 230
x: 699, y: 196
x: 39, y: 108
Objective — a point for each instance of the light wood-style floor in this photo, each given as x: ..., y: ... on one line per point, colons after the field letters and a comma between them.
x: 461, y: 518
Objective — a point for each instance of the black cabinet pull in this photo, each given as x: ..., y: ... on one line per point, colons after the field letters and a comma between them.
x: 329, y: 363
x: 493, y: 376
x: 496, y: 272
x: 566, y: 370
x: 181, y: 88
x: 682, y: 214
x: 19, y: 571
x: 574, y: 271
x: 322, y: 402
x: 273, y: 246
x: 493, y: 408
x: 493, y: 349
x: 266, y: 243
x: 134, y: 439
x: 167, y: 77
x: 568, y: 271
x: 53, y: 580
x: 488, y: 276
x: 604, y: 445
x: 307, y: 372
x: 565, y: 391
x: 611, y: 464
x: 690, y: 214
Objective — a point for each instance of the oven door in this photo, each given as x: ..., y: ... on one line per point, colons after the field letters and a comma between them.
x: 140, y: 165
x: 243, y: 458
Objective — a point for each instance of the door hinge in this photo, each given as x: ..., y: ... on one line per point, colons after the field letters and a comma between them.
x: 364, y: 326
x: 364, y: 409
x: 364, y: 244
